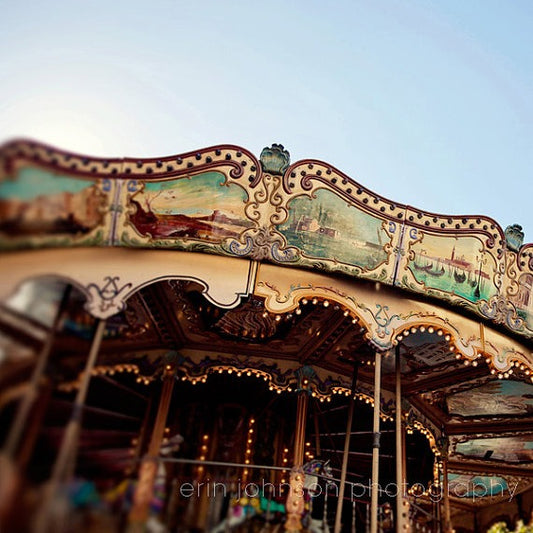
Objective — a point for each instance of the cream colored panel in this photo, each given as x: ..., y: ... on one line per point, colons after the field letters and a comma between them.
x: 109, y: 275
x: 390, y: 315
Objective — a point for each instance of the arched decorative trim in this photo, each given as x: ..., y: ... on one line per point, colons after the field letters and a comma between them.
x: 108, y: 277
x: 388, y: 318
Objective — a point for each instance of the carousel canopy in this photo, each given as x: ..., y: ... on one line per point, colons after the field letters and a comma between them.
x: 286, y: 273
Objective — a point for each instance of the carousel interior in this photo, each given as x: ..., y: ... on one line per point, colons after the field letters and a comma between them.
x: 230, y: 422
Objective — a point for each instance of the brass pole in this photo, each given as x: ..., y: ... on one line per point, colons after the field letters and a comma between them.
x: 375, y: 446
x: 404, y: 458
x: 11, y: 486
x: 445, y: 496
x: 295, y: 499
x: 301, y: 419
x: 317, y: 433
x: 35, y: 423
x: 67, y: 450
x: 25, y: 404
x: 142, y: 438
x: 344, y: 468
x: 9, y: 477
x: 399, y: 437
x: 148, y: 469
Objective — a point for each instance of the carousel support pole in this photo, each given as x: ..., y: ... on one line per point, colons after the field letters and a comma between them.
x: 35, y: 423
x: 12, y: 490
x: 375, y: 446
x: 399, y: 441
x: 9, y: 479
x: 148, y: 469
x: 295, y: 499
x: 344, y: 468
x: 447, y: 526
x: 142, y: 438
x: 407, y: 522
x: 67, y: 451
x: 25, y: 404
x: 301, y: 418
x: 317, y: 433
x: 325, y: 515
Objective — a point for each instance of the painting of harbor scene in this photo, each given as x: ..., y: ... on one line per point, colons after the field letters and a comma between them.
x: 40, y: 203
x: 202, y: 207
x: 518, y: 449
x: 497, y: 397
x: 457, y: 265
x: 328, y: 227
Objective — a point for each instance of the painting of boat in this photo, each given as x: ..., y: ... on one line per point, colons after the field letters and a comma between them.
x: 170, y: 209
x: 459, y: 277
x: 460, y: 266
x: 428, y: 269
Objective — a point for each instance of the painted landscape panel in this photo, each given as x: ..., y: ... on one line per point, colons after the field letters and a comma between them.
x: 459, y: 265
x: 517, y: 449
x: 40, y: 203
x: 495, y: 398
x: 328, y: 227
x: 202, y: 207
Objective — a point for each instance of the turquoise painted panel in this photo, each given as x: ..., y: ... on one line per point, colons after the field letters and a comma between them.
x: 517, y: 449
x: 202, y: 207
x: 327, y: 227
x: 39, y: 203
x: 460, y: 266
x: 468, y: 486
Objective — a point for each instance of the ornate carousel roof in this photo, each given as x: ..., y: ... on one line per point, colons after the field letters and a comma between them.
x: 285, y: 272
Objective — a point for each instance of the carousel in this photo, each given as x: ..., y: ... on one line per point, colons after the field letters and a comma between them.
x: 216, y: 342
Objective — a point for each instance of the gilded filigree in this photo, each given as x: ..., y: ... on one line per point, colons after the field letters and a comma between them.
x: 501, y: 311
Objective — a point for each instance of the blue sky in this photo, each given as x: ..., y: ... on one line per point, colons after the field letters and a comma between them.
x: 428, y: 103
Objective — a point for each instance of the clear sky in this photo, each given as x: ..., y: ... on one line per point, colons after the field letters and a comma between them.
x: 426, y: 102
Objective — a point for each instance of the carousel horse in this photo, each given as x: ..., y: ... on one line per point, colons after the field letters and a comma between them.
x: 315, y: 486
x: 244, y: 509
x: 121, y: 496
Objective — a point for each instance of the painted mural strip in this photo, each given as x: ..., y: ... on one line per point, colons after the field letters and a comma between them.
x: 41, y: 208
x: 223, y: 200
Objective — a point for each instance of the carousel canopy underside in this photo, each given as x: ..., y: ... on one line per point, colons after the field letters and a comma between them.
x: 488, y: 420
x: 453, y: 294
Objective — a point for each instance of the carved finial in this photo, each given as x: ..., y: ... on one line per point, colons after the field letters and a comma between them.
x: 275, y: 160
x: 514, y: 237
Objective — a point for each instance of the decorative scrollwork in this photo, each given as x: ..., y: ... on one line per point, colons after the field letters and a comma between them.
x: 241, y: 248
x: 108, y: 299
x: 262, y: 243
x: 501, y: 311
